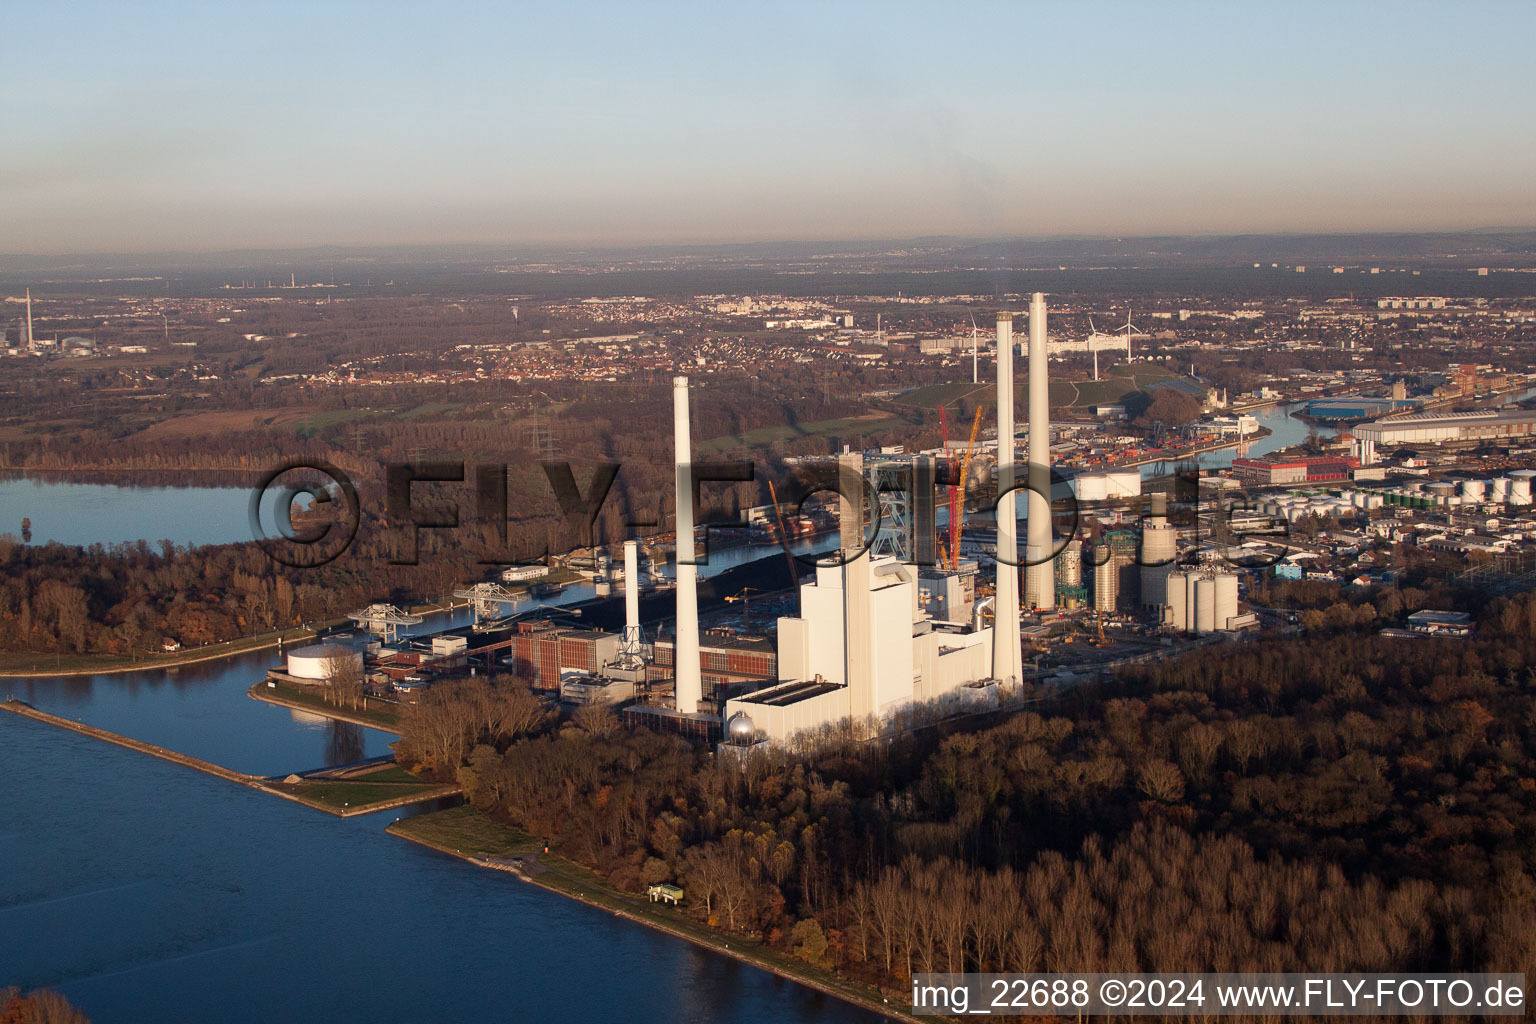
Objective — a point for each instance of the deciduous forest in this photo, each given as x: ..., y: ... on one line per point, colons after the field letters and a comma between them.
x: 1353, y: 803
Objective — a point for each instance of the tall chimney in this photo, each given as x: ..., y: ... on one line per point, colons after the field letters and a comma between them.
x: 29, y: 318
x: 1040, y: 576
x: 631, y: 643
x: 850, y: 502
x: 690, y: 684
x: 1007, y: 652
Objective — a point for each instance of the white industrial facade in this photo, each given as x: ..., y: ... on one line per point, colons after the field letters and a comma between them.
x: 861, y: 649
x: 1434, y: 428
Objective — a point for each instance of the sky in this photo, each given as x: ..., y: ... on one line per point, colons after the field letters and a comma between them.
x: 159, y: 126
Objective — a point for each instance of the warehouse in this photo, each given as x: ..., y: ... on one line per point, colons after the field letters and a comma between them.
x: 1439, y: 428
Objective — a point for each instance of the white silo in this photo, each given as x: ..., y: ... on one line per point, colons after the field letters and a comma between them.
x: 1205, y: 605
x: 1159, y: 548
x: 1520, y: 486
x: 1176, y: 611
x: 1226, y: 600
x: 1070, y: 564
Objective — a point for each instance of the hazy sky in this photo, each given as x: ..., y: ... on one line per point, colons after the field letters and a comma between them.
x: 154, y: 126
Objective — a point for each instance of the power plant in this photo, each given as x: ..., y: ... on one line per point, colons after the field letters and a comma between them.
x: 891, y: 625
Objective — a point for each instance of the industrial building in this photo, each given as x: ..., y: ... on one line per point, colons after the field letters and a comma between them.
x: 1106, y: 484
x: 1202, y: 602
x: 1116, y: 576
x: 1383, y: 436
x: 868, y: 644
x: 862, y: 649
x: 1318, y: 469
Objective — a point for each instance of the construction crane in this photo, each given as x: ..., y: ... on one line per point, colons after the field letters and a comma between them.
x: 794, y: 574
x: 957, y: 512
x: 744, y: 596
x: 951, y: 556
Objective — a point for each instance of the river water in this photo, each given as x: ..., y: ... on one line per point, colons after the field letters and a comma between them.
x: 149, y: 892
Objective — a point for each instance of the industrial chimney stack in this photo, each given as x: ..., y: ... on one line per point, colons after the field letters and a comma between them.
x: 1040, y: 576
x: 631, y: 645
x: 1007, y: 652
x: 690, y: 683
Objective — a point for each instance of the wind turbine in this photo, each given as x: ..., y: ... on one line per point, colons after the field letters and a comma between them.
x: 1130, y: 331
x: 1093, y: 337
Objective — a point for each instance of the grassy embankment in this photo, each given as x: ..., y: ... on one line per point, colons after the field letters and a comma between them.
x: 364, y: 791
x: 304, y: 700
x: 29, y: 663
x: 467, y: 833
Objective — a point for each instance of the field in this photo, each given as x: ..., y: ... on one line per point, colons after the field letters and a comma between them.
x: 850, y: 426
x: 202, y: 424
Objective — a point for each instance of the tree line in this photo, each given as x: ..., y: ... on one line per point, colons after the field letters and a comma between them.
x: 1350, y: 804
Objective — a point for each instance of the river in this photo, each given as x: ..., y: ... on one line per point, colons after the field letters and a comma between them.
x: 149, y: 893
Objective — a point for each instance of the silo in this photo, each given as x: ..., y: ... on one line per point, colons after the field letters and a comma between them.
x: 1159, y: 548
x: 1106, y: 579
x: 1205, y: 605
x: 1226, y: 600
x: 1069, y: 564
x: 1176, y: 611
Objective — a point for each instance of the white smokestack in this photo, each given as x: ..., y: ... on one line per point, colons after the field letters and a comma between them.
x: 29, y: 318
x: 631, y: 598
x: 1039, y: 579
x: 1007, y: 653
x: 690, y: 684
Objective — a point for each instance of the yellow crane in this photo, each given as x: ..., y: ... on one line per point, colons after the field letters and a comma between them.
x: 965, y: 474
x: 746, y: 604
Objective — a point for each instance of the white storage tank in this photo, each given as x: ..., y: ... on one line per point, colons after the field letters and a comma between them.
x: 1473, y: 490
x: 1501, y: 488
x: 323, y: 661
x: 1226, y: 600
x: 1205, y: 605
x: 1520, y: 492
x: 1176, y: 611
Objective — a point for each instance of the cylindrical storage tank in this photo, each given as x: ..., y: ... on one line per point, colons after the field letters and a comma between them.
x: 1176, y: 612
x: 1226, y: 599
x: 1205, y: 605
x: 1500, y: 488
x: 1069, y: 565
x: 1441, y: 488
x: 321, y: 662
x: 1454, y: 500
x: 1373, y: 501
x: 1520, y: 492
x: 1473, y: 490
x: 1523, y: 474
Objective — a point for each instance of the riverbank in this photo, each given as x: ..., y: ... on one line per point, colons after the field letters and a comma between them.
x: 14, y: 665
x: 467, y: 834
x: 331, y: 795
x: 295, y: 700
